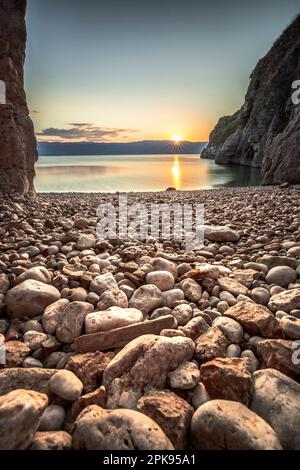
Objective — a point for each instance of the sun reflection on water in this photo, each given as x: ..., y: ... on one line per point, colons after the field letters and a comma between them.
x: 176, y: 172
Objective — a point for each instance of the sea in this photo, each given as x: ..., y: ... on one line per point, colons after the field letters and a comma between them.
x: 111, y: 173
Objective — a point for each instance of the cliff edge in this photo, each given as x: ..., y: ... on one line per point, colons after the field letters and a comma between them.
x: 265, y: 132
x: 18, y: 148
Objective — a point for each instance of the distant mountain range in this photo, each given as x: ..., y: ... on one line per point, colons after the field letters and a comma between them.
x: 129, y: 148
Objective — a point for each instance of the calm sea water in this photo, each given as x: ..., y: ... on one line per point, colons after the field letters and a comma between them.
x: 137, y: 173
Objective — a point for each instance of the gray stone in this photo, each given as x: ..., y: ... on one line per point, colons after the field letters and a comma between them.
x: 281, y: 276
x: 66, y: 385
x: 229, y: 425
x: 185, y: 377
x: 192, y: 290
x: 231, y: 329
x: 146, y: 298
x: 52, y: 419
x: 276, y: 399
x: 183, y: 314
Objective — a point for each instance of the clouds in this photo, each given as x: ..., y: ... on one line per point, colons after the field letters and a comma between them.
x: 85, y: 132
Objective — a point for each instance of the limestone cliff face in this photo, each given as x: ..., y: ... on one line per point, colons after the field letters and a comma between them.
x: 265, y: 132
x: 18, y: 149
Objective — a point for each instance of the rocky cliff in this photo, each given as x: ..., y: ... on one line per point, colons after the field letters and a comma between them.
x: 265, y: 132
x: 18, y: 150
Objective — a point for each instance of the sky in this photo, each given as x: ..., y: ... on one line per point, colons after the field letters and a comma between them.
x: 128, y: 70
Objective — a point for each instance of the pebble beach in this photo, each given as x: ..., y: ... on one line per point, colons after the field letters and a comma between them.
x: 120, y: 344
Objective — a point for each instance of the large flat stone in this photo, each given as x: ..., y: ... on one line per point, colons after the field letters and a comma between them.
x: 119, y: 337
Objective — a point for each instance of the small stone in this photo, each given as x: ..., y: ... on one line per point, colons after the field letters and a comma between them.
x: 246, y: 276
x: 146, y: 298
x: 85, y: 242
x: 170, y: 333
x: 278, y: 354
x: 111, y: 319
x: 232, y: 329
x: 72, y: 321
x: 38, y: 273
x: 161, y: 279
x: 15, y: 353
x: 192, y: 290
x: 81, y: 223
x: 34, y: 340
x: 233, y: 350
x: 53, y: 359
x: 170, y: 297
x: 162, y: 264
x: 219, y: 233
x: 66, y: 385
x: 52, y: 419
x: 53, y: 315
x: 228, y: 298
x: 260, y: 295
x: 30, y: 362
x: 228, y: 378
x: 160, y: 312
x: 281, y: 276
x: 286, y: 300
x: 170, y: 412
x: 294, y: 251
x: 78, y: 295
x: 112, y: 298
x: 195, y: 327
x: 222, y: 306
x: 103, y: 282
x: 276, y: 290
x: 183, y: 314
x: 89, y: 368
x: 213, y: 343
x: 32, y: 325
x: 290, y: 327
x: 200, y: 395
x: 254, y: 362
x: 273, y: 260
x: 229, y: 425
x: 185, y: 377
x: 232, y: 286
x: 53, y: 440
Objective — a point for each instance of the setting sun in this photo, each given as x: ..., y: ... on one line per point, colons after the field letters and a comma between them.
x: 177, y: 138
